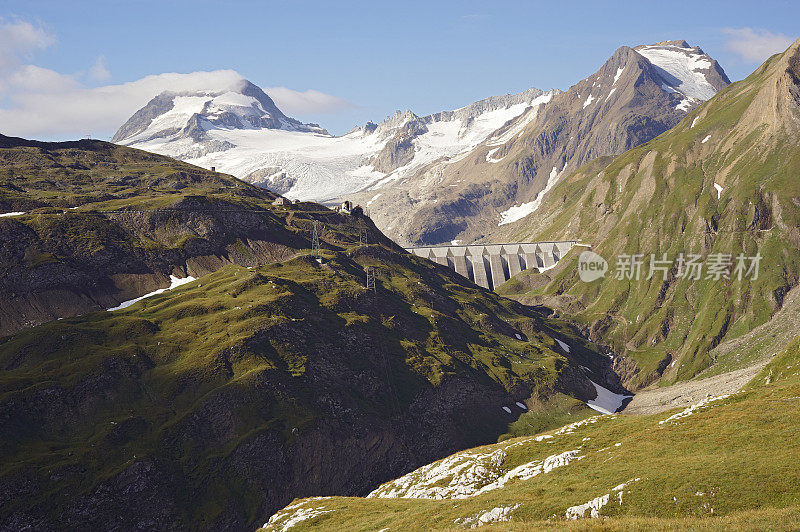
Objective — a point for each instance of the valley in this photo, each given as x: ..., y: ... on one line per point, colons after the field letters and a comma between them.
x: 552, y: 309
x: 253, y: 344
x: 714, y: 362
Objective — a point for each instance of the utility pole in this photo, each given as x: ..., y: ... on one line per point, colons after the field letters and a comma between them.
x: 371, y: 278
x: 315, y: 244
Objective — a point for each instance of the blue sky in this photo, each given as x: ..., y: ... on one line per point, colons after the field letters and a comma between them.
x: 363, y: 59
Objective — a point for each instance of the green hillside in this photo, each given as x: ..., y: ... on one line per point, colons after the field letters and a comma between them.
x: 274, y: 374
x: 722, y: 182
x: 102, y: 224
x: 728, y: 463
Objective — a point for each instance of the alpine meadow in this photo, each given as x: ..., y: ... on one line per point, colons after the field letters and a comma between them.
x: 251, y: 304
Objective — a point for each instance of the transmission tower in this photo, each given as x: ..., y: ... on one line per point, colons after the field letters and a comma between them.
x: 315, y: 244
x: 362, y: 237
x: 371, y: 278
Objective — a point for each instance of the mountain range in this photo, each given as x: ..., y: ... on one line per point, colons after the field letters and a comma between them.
x: 182, y: 349
x: 720, y: 183
x: 454, y: 173
x: 716, y: 451
x: 304, y: 161
x: 175, y: 353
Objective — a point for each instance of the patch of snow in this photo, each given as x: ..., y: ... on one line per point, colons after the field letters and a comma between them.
x: 705, y: 139
x: 685, y: 105
x: 606, y: 402
x: 522, y: 406
x: 174, y: 283
x: 618, y: 74
x: 610, y: 93
x: 3, y: 215
x: 694, y: 121
x: 564, y: 346
x: 588, y: 101
x: 518, y: 212
x: 518, y: 127
x: 490, y: 158
x: 719, y: 190
x: 518, y: 336
x: 508, y: 410
x: 376, y: 196
x: 685, y: 65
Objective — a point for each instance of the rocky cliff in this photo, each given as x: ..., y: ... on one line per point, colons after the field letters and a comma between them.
x: 636, y: 95
x: 721, y: 186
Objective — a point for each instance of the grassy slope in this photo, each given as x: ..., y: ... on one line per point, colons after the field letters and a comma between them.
x: 735, y: 456
x: 103, y: 222
x: 66, y: 190
x: 160, y: 362
x: 660, y: 198
x: 67, y: 174
x: 36, y: 175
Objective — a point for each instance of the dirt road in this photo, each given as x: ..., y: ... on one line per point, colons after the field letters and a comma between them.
x: 655, y: 400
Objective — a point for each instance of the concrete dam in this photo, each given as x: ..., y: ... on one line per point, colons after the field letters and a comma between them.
x: 490, y: 265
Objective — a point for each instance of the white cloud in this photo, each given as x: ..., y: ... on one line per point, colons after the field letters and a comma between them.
x: 46, y: 104
x: 19, y: 40
x: 30, y: 78
x: 755, y: 45
x: 99, y: 70
x: 71, y: 109
x: 42, y: 103
x: 309, y: 102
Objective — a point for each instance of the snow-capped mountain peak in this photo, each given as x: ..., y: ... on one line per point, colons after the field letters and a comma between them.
x: 522, y: 141
x: 238, y: 129
x: 172, y: 116
x: 685, y: 69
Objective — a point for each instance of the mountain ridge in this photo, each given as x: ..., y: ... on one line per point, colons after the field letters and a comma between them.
x: 623, y: 104
x: 323, y: 167
x: 215, y: 108
x: 276, y: 373
x: 392, y: 158
x: 718, y: 183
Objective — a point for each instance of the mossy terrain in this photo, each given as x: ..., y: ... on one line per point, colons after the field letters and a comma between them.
x: 730, y: 464
x: 213, y: 404
x: 103, y: 224
x: 94, y: 395
x: 47, y: 177
x: 660, y: 199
